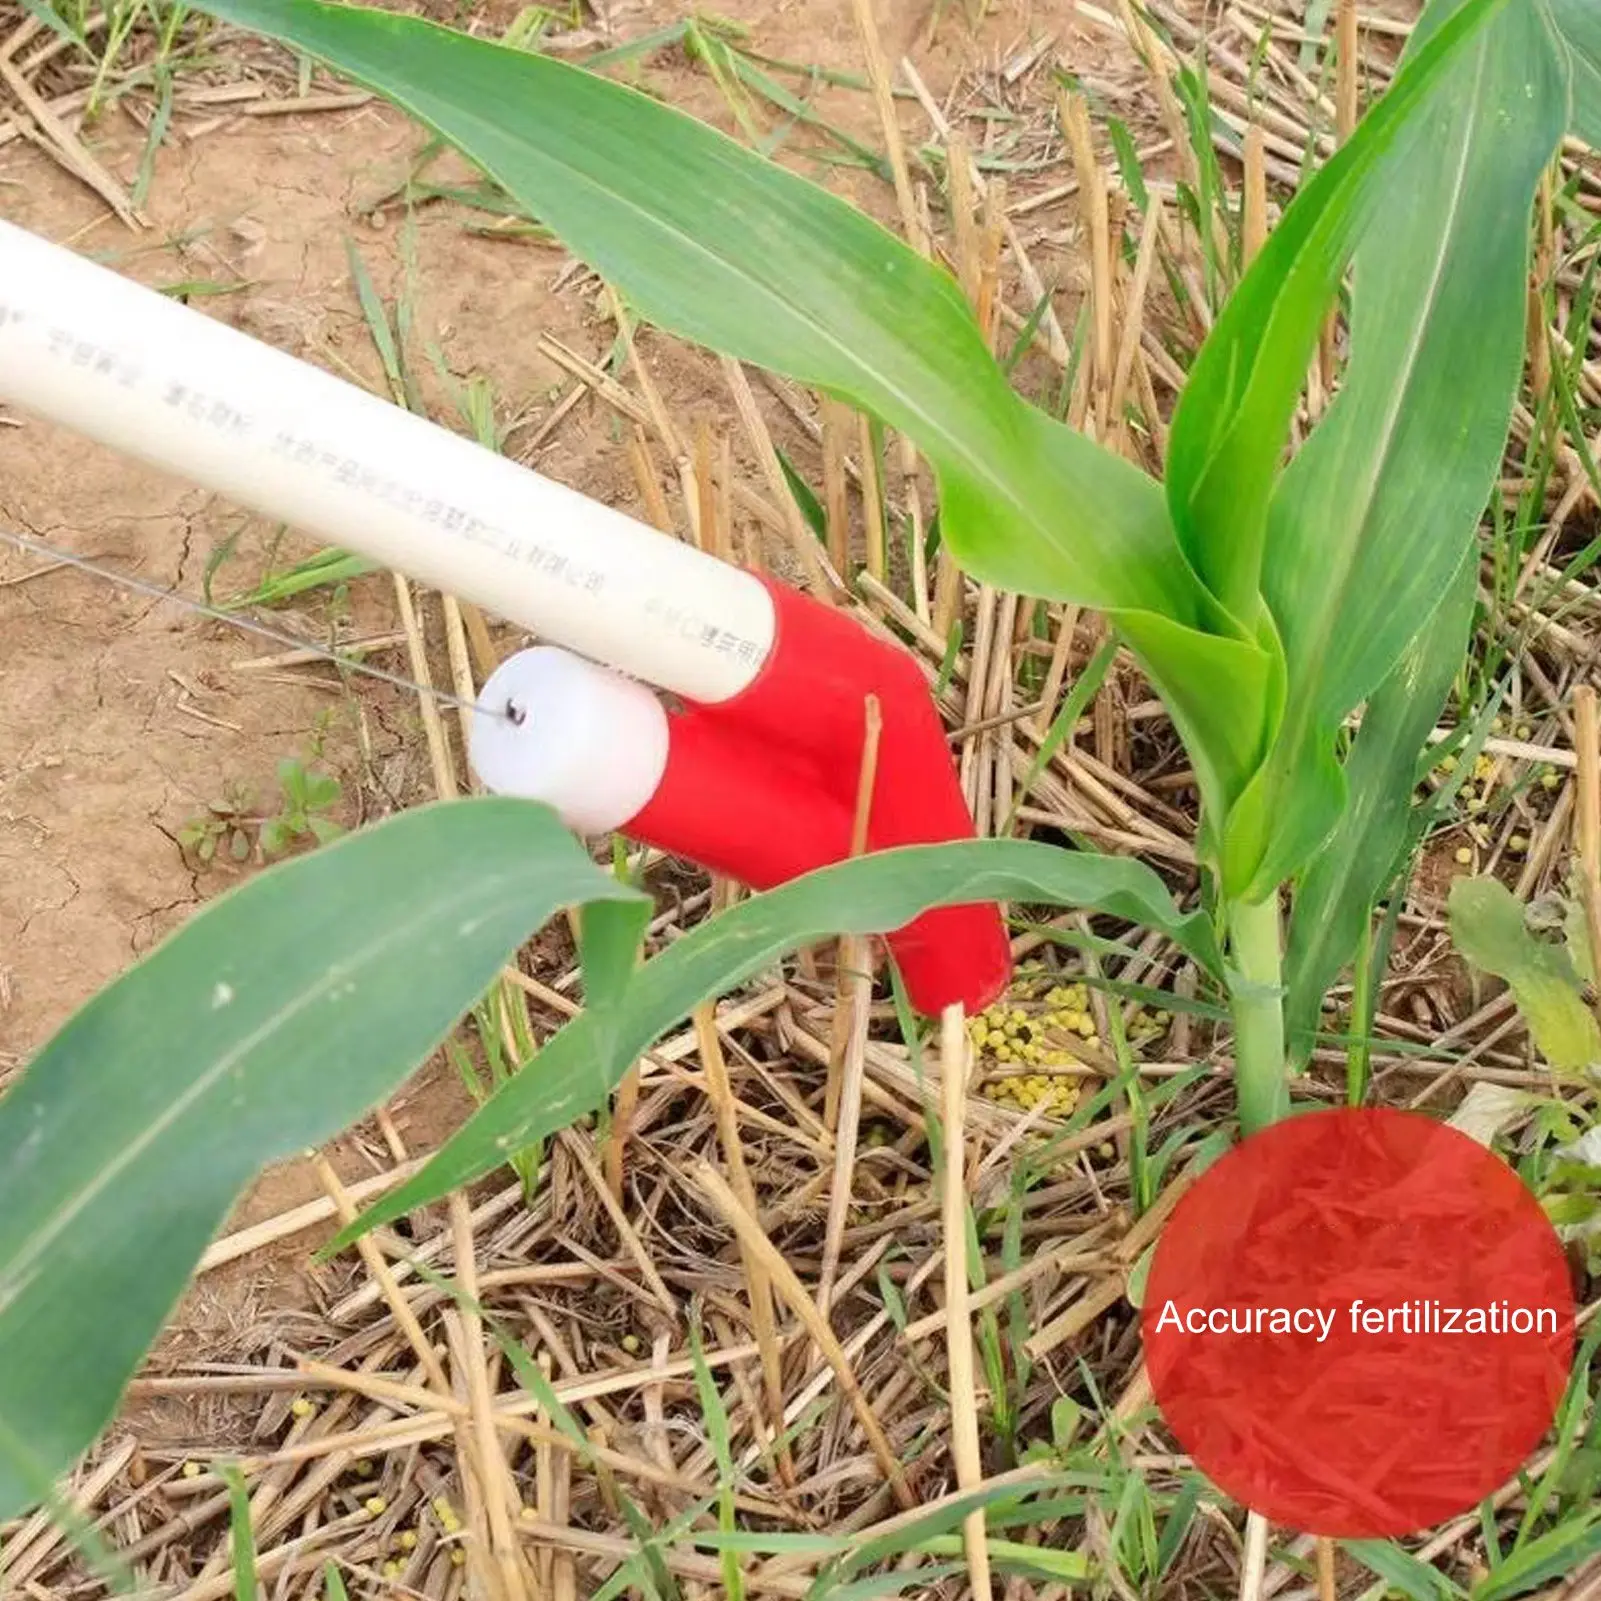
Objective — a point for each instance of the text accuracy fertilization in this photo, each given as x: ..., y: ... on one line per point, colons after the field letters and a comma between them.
x: 1360, y: 1317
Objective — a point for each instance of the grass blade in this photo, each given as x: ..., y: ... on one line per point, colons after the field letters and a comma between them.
x: 1555, y: 1554
x: 1082, y: 693
x: 1402, y: 1572
x: 716, y: 1416
x: 246, y: 1584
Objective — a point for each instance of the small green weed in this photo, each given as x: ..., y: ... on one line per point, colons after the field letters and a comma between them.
x: 226, y: 825
x: 236, y: 829
x: 505, y: 1042
x: 307, y: 797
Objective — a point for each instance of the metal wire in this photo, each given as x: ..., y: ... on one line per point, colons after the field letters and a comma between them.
x: 39, y: 547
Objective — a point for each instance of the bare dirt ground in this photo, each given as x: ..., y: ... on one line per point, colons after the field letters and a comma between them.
x: 123, y: 718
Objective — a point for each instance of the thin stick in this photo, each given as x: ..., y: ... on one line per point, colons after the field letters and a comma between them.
x: 1061, y: 655
x: 73, y: 154
x: 1325, y: 1568
x: 622, y: 1120
x: 545, y: 1485
x: 960, y: 202
x: 379, y: 1271
x: 426, y: 1426
x: 501, y: 1501
x: 660, y: 418
x: 565, y: 1585
x: 1539, y: 325
x: 1062, y: 1262
x: 991, y: 242
x: 705, y: 487
x: 1587, y: 821
x: 1160, y: 63
x: 722, y: 541
x: 478, y: 1543
x: 38, y: 1537
x: 789, y: 1286
x: 847, y: 1072
x: 873, y: 504
x: 918, y: 235
x: 1253, y: 233
x: 884, y: 100
x: 866, y: 780
x: 598, y: 380
x: 958, y: 1327
x: 300, y: 1218
x: 1253, y: 1560
x: 1133, y: 320
x: 823, y: 583
x: 847, y: 1057
x: 459, y: 650
x: 949, y: 586
x: 427, y: 702
x: 270, y: 1561
x: 689, y: 1564
x: 866, y: 774
x: 1075, y: 1320
x: 758, y: 1285
x: 836, y: 489
x: 1347, y: 70
x: 1033, y: 285
x: 1093, y: 209
x: 650, y: 486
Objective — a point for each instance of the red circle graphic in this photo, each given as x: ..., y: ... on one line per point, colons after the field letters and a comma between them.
x: 1358, y: 1323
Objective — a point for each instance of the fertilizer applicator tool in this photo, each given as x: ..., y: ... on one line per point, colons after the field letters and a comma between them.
x: 753, y: 775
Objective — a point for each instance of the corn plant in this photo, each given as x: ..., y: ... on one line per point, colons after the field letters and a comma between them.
x: 1266, y: 602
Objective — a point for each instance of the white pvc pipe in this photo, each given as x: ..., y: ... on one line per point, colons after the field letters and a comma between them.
x: 99, y: 354
x: 583, y: 739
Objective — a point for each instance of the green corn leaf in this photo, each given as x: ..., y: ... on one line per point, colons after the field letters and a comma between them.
x: 897, y: 1581
x: 581, y: 1065
x: 609, y: 935
x: 1336, y: 895
x: 720, y: 245
x: 943, y: 1518
x: 1233, y: 419
x: 246, y: 1579
x: 1577, y: 24
x: 1379, y: 508
x: 1488, y: 928
x: 1225, y: 697
x: 326, y: 569
x: 271, y: 1020
x: 1013, y: 1556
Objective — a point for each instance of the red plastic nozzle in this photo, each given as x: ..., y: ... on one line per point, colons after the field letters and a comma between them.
x: 762, y: 787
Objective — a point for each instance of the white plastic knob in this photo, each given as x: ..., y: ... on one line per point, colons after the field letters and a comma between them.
x: 553, y: 727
